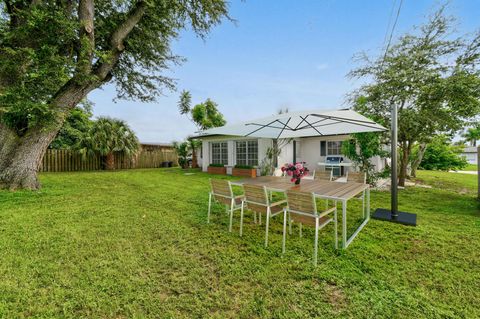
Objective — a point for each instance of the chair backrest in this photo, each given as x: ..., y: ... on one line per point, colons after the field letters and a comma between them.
x: 357, y: 177
x: 256, y: 197
x: 301, y: 202
x: 324, y: 175
x: 222, y: 190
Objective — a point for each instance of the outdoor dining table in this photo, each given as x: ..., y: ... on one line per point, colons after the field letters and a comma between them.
x: 336, y: 191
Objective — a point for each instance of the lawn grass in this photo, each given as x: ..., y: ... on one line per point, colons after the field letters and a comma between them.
x: 471, y: 167
x: 135, y: 244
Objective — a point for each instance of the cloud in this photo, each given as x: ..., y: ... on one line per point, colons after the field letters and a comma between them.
x: 321, y: 66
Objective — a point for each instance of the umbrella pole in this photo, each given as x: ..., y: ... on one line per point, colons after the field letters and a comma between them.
x: 394, y: 173
x: 393, y: 215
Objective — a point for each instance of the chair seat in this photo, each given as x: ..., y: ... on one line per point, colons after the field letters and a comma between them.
x: 263, y: 209
x: 308, y: 220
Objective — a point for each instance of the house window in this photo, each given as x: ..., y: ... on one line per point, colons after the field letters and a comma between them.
x: 220, y: 153
x: 334, y: 148
x: 247, y: 153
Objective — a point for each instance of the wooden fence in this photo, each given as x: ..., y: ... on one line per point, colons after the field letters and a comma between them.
x: 70, y: 161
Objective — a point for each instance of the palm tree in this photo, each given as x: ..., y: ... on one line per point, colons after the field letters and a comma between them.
x: 108, y: 135
x: 472, y: 135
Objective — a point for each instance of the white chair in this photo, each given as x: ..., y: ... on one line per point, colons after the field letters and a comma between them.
x: 302, y: 208
x: 361, y: 178
x: 310, y: 175
x: 222, y: 192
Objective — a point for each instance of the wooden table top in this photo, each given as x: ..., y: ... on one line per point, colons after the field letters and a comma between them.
x: 321, y: 188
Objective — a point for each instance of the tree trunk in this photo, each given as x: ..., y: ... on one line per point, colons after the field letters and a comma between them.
x: 416, y: 163
x: 194, y: 158
x: 20, y: 157
x: 110, y: 161
x: 406, y: 148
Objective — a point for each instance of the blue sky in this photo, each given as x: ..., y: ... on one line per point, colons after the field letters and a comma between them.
x: 280, y: 53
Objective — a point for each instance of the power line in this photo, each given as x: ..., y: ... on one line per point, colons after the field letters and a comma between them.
x: 393, y: 30
x: 389, y: 23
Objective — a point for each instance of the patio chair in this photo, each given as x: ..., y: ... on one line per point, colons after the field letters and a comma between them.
x: 257, y: 200
x: 361, y: 178
x: 302, y: 208
x: 324, y: 175
x: 311, y: 175
x: 222, y: 192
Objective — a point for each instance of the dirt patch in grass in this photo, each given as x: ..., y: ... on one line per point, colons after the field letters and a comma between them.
x: 335, y: 296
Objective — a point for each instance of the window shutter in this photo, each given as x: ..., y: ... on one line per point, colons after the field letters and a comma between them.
x: 323, y: 148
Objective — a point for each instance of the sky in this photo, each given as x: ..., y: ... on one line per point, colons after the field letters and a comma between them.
x: 278, y: 54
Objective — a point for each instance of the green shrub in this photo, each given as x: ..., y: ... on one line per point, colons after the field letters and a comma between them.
x: 216, y: 165
x: 244, y: 166
x: 443, y: 156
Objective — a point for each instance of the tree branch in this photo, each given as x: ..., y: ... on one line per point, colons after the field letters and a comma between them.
x: 117, y: 39
x: 87, y: 36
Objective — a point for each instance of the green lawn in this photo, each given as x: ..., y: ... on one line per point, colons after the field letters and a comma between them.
x: 135, y: 244
x: 471, y: 167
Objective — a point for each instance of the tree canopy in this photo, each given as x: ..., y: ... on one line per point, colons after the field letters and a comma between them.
x: 431, y: 75
x: 204, y: 115
x: 53, y: 53
x: 75, y: 128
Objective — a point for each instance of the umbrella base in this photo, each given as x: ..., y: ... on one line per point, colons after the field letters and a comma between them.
x: 403, y: 218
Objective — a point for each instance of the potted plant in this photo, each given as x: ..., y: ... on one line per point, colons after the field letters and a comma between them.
x: 217, y: 169
x: 297, y: 171
x: 244, y: 170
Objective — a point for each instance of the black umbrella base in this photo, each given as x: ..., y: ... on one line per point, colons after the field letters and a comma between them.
x: 403, y: 218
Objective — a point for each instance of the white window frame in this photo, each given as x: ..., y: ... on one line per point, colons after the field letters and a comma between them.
x: 339, y: 149
x: 223, y: 152
x: 248, y: 160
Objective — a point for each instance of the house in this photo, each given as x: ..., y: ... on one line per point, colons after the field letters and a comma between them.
x: 470, y: 154
x: 314, y: 137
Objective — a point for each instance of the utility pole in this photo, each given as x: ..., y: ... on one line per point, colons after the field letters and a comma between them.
x: 478, y: 171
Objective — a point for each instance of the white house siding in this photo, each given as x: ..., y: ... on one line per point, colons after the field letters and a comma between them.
x: 470, y: 154
x: 308, y: 150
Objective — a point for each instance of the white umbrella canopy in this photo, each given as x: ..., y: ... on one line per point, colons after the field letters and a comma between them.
x: 300, y: 124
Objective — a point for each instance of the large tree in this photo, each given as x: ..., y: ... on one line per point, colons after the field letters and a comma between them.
x: 431, y: 76
x: 53, y: 53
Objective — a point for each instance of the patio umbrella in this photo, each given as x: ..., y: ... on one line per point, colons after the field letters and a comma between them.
x: 301, y: 124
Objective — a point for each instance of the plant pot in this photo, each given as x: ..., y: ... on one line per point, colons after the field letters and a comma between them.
x: 245, y: 172
x: 217, y: 170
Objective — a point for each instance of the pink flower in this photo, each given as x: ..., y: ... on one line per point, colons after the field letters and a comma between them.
x: 292, y: 180
x: 299, y: 166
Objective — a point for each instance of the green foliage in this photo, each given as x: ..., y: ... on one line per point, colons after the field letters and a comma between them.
x: 109, y: 135
x: 206, y: 115
x: 43, y: 51
x: 244, y: 166
x: 267, y: 166
x: 361, y: 148
x: 135, y: 244
x: 183, y: 150
x: 440, y: 154
x: 216, y: 165
x: 472, y: 135
x: 431, y: 76
x: 74, y: 129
